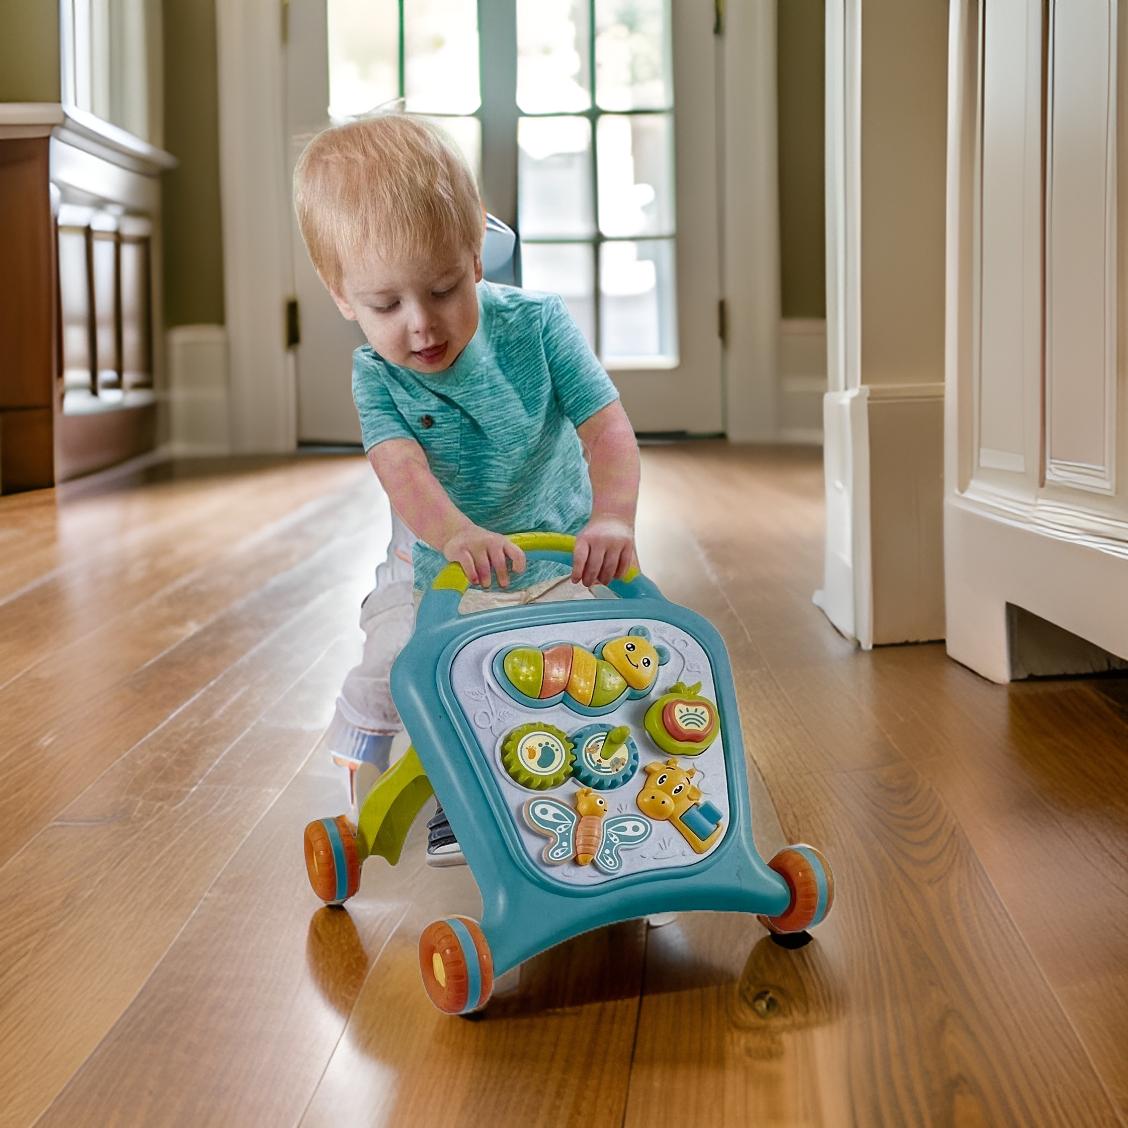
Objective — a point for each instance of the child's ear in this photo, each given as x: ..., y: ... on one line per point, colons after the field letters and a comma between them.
x: 477, y: 268
x: 342, y: 303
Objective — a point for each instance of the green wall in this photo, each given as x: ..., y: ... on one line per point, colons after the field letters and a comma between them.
x: 29, y: 51
x: 801, y: 158
x: 193, y: 242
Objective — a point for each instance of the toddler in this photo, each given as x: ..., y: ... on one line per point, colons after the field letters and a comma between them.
x: 477, y: 405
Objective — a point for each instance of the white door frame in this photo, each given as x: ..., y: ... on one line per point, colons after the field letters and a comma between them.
x: 255, y: 208
x: 257, y: 263
x: 846, y: 596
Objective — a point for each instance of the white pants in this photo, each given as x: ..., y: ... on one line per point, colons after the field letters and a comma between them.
x: 387, y: 617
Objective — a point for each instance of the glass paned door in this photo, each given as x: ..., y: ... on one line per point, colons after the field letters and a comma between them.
x: 424, y: 52
x: 591, y: 181
x: 590, y: 134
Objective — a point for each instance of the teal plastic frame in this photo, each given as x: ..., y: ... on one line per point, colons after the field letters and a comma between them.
x: 525, y: 912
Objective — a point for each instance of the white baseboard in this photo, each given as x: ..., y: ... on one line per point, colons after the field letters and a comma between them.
x: 801, y: 436
x: 120, y: 471
x: 846, y: 594
x: 1001, y: 554
x: 802, y: 380
x: 884, y: 576
x: 906, y: 459
x: 199, y: 397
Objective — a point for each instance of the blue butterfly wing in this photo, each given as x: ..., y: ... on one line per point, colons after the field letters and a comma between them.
x: 620, y: 832
x: 551, y: 817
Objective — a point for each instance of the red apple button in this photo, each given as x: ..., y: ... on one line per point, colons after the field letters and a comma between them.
x: 691, y: 721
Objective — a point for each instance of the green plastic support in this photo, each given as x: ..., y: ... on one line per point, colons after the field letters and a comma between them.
x: 391, y: 807
x: 614, y: 740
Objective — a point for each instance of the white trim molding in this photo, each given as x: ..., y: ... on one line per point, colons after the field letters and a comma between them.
x: 1081, y: 308
x: 85, y: 131
x: 843, y: 193
x: 1033, y: 517
x: 103, y: 139
x: 883, y: 414
x: 996, y: 559
x: 750, y: 234
x: 198, y: 390
x: 802, y: 380
x: 1002, y: 460
x: 847, y: 591
x: 29, y: 119
x: 257, y: 267
x: 846, y: 596
x: 906, y: 392
x: 883, y: 577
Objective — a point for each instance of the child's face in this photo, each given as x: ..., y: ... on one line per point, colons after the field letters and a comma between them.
x: 417, y: 314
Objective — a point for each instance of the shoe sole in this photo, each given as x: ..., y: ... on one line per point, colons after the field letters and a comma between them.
x: 441, y: 861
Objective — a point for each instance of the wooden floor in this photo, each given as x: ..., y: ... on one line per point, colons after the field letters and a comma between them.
x: 170, y: 647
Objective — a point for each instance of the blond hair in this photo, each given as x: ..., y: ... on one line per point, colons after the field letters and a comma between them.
x: 390, y: 183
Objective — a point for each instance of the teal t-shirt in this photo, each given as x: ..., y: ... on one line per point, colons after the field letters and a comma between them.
x: 499, y: 426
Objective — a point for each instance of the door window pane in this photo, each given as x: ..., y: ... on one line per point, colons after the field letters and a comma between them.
x: 553, y: 73
x: 632, y: 55
x: 567, y: 269
x: 363, y: 56
x: 441, y: 56
x: 637, y: 308
x: 466, y: 133
x: 106, y: 59
x: 636, y: 174
x: 554, y: 177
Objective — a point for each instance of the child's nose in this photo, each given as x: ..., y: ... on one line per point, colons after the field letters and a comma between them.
x: 422, y: 318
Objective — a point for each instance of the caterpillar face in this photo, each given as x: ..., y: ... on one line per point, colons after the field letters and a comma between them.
x: 635, y: 658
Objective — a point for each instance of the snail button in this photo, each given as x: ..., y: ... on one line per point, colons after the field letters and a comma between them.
x: 427, y: 421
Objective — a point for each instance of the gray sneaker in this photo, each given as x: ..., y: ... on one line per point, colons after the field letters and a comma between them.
x: 442, y: 847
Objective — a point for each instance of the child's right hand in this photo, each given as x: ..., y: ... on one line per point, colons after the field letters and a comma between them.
x: 479, y: 552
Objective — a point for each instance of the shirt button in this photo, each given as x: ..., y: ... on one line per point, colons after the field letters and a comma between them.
x: 427, y: 421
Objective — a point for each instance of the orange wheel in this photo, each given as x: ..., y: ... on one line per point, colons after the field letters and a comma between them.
x: 809, y: 877
x: 332, y: 859
x: 456, y: 965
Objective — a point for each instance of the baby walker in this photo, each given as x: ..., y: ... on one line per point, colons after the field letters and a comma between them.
x: 588, y: 754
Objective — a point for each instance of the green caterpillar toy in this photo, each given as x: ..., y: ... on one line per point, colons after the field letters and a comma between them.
x: 590, y: 684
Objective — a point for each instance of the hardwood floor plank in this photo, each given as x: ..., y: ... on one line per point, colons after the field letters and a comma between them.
x: 151, y: 834
x: 951, y: 992
x: 571, y: 1017
x: 266, y: 1036
x: 89, y: 666
x: 1037, y: 774
x: 236, y: 1023
x: 131, y: 559
x: 916, y: 1003
x: 40, y: 529
x: 53, y: 751
x: 163, y: 961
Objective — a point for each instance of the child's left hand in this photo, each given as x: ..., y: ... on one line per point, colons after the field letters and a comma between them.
x: 605, y: 549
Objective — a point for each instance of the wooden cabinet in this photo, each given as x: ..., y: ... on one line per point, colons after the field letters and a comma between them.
x: 80, y: 333
x: 28, y: 325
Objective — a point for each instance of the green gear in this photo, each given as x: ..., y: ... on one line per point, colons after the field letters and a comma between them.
x: 549, y: 769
